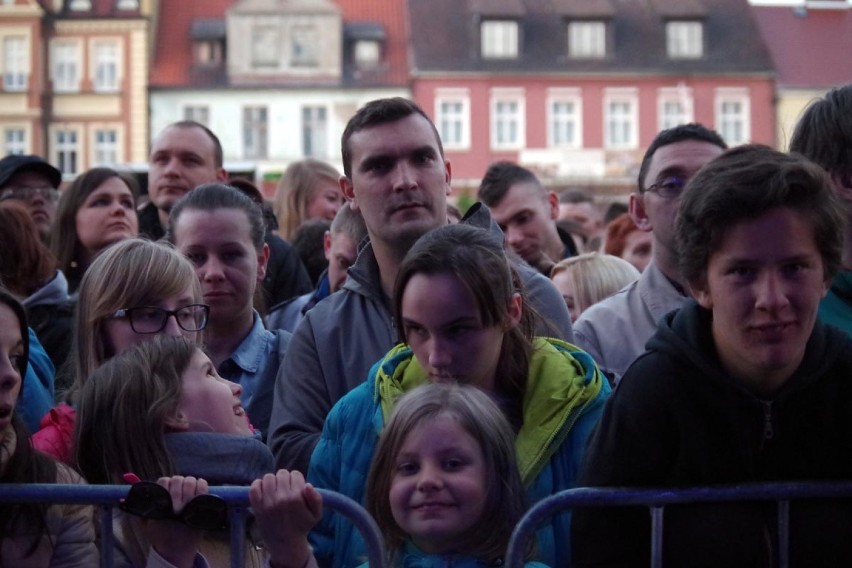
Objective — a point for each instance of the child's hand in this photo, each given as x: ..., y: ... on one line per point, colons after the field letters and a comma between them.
x: 286, y: 509
x: 174, y: 541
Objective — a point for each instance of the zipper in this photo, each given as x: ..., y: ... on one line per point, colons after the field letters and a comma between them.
x: 768, y: 430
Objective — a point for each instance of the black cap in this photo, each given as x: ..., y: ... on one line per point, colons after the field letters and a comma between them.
x: 10, y: 165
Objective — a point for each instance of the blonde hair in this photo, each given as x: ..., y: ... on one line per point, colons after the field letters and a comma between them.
x: 595, y: 276
x: 295, y: 191
x: 480, y: 417
x: 129, y: 273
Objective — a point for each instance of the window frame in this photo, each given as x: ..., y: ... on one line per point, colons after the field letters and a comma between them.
x: 587, y: 39
x: 16, y: 147
x: 685, y: 39
x: 629, y: 96
x: 96, y: 63
x: 681, y: 95
x: 575, y: 98
x: 65, y: 59
x: 517, y: 118
x: 736, y: 95
x: 255, y: 132
x: 499, y: 39
x: 315, y: 131
x: 20, y: 65
x: 459, y: 120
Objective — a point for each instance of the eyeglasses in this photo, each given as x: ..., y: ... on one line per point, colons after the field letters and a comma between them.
x: 153, y: 501
x: 149, y: 319
x: 668, y: 188
x: 24, y: 193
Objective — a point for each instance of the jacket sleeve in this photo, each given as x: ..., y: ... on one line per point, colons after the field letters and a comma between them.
x: 74, y: 539
x: 547, y: 301
x: 301, y: 402
x: 630, y: 447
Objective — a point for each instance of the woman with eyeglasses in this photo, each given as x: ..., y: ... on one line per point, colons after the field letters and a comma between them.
x: 221, y: 231
x: 135, y: 290
x: 158, y: 416
x: 97, y: 210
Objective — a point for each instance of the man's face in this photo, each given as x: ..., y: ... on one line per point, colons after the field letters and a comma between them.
x: 37, y: 195
x: 583, y: 213
x: 764, y: 293
x: 181, y: 159
x: 652, y: 212
x: 341, y: 252
x: 527, y: 216
x: 399, y: 182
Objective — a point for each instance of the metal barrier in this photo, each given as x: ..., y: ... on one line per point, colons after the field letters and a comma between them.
x: 108, y: 496
x: 656, y: 499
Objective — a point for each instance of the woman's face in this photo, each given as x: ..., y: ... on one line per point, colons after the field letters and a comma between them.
x: 108, y: 215
x: 219, y: 245
x: 445, y: 331
x: 119, y: 335
x: 11, y: 353
x: 209, y: 403
x: 325, y: 201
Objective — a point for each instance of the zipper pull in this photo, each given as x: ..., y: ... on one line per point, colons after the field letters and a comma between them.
x: 768, y: 431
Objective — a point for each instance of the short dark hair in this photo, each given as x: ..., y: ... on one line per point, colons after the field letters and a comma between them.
x: 743, y: 184
x: 374, y: 113
x: 210, y: 196
x: 824, y: 132
x: 575, y: 196
x: 218, y: 154
x: 499, y: 177
x: 691, y: 131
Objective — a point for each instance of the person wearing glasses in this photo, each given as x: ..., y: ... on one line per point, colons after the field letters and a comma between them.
x: 614, y: 331
x: 135, y: 290
x: 33, y: 182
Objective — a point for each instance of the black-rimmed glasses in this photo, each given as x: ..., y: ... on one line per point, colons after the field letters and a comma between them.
x: 150, y: 319
x: 668, y: 188
x: 23, y: 193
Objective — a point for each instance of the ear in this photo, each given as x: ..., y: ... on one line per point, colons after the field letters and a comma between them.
x: 553, y: 201
x: 448, y: 176
x: 701, y: 295
x: 348, y: 192
x: 638, y: 213
x: 262, y: 261
x: 221, y: 175
x: 326, y: 244
x: 515, y: 311
x: 177, y: 422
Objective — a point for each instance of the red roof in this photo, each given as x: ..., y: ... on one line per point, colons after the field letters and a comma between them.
x: 172, y: 64
x: 811, y: 48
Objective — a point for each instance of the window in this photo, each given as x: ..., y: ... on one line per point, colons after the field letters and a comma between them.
x: 367, y: 53
x: 106, y: 62
x: 674, y: 107
x: 106, y: 148
x: 254, y: 132
x: 733, y: 116
x: 507, y: 120
x: 305, y: 46
x: 80, y: 5
x: 127, y: 4
x: 66, y: 76
x: 314, y: 132
x: 197, y: 113
x: 66, y: 151
x: 16, y: 63
x: 209, y: 52
x: 452, y: 111
x: 499, y: 39
x: 265, y: 46
x: 565, y: 118
x: 587, y: 39
x: 684, y: 40
x: 621, y: 120
x: 14, y: 141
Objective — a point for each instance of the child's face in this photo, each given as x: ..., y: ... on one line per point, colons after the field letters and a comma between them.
x: 445, y: 331
x: 209, y: 403
x: 11, y: 350
x: 438, y: 489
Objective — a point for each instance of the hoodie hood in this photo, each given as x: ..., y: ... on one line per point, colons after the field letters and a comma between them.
x: 686, y: 336
x: 52, y: 293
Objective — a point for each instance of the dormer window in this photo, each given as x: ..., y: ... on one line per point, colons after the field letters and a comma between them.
x: 499, y: 39
x: 80, y: 5
x: 684, y: 39
x: 208, y: 53
x: 587, y: 39
x: 305, y: 46
x: 265, y: 46
x: 208, y: 42
x: 367, y: 53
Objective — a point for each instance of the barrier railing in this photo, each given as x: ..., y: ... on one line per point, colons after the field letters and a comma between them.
x: 108, y: 496
x: 657, y: 499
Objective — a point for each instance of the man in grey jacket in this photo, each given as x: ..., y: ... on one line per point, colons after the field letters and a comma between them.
x: 395, y: 174
x: 614, y: 331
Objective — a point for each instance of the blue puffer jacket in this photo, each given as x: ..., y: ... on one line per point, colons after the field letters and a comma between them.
x: 563, y: 402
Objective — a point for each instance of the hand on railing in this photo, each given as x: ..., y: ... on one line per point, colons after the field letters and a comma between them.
x: 286, y: 508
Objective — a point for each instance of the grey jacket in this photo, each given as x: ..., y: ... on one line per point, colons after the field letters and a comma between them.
x: 340, y: 339
x: 614, y: 331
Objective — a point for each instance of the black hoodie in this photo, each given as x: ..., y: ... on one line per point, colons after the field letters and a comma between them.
x: 677, y: 419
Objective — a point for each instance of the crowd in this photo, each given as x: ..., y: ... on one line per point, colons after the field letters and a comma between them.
x: 444, y: 369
